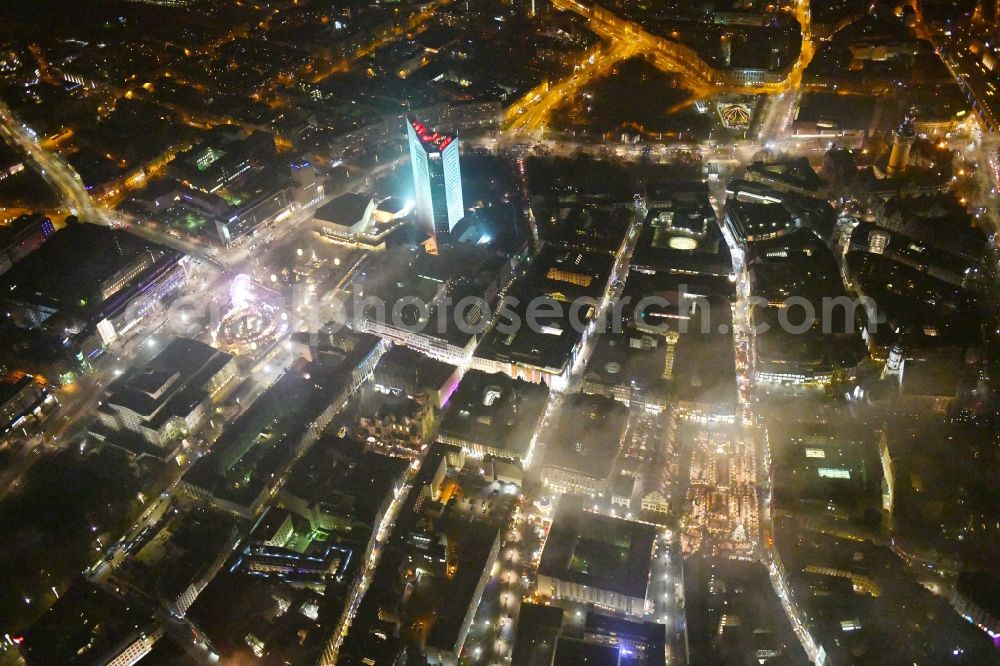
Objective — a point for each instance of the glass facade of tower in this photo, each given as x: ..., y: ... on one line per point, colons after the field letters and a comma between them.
x: 437, y: 177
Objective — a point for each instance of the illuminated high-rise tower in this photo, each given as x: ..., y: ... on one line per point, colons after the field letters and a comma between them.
x: 437, y: 178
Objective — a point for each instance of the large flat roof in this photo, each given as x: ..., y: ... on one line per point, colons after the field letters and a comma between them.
x: 495, y: 410
x: 599, y: 551
x: 683, y: 240
x: 68, y: 271
x: 588, y: 435
x: 337, y: 477
x: 347, y: 209
x: 564, y: 276
x: 538, y: 629
x: 86, y: 625
x: 405, y: 365
x: 573, y: 652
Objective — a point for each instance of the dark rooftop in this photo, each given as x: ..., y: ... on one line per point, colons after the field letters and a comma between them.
x: 10, y: 232
x: 683, y: 240
x: 573, y: 652
x: 588, y: 435
x: 494, y: 410
x: 598, y: 551
x: 69, y: 271
x: 795, y: 172
x: 254, y: 449
x: 567, y: 276
x: 170, y: 384
x: 403, y: 367
x: 85, y: 626
x: 538, y: 629
x: 477, y: 542
x: 751, y: 219
x: 591, y: 227
x: 347, y: 209
x: 333, y: 473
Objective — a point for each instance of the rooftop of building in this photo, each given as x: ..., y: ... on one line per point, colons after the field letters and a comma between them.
x: 567, y: 276
x: 86, y: 625
x: 337, y: 476
x: 598, y: 551
x: 573, y: 652
x: 346, y: 210
x: 199, y: 539
x: 682, y: 241
x: 11, y: 232
x: 566, y: 273
x: 755, y: 218
x: 538, y: 629
x: 937, y: 375
x: 794, y: 172
x: 221, y: 148
x: 494, y: 410
x: 335, y: 344
x: 404, y: 367
x: 399, y: 276
x: 714, y: 288
x: 171, y: 384
x: 941, y: 307
x: 430, y: 140
x: 705, y: 366
x: 757, y: 211
x: 819, y: 462
x: 833, y: 111
x: 588, y: 435
x: 778, y: 350
x: 292, y: 624
x: 548, y: 348
x: 623, y: 485
x: 68, y: 272
x: 797, y: 264
x: 649, y: 633
x: 501, y: 228
x: 11, y: 386
x: 478, y: 540
x: 255, y: 447
x: 392, y: 205
x: 598, y: 227
x: 680, y: 195
x: 634, y: 358
x: 383, y: 590
x: 960, y: 257
x: 982, y: 588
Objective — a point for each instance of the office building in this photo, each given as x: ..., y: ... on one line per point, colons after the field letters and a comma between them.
x: 21, y: 237
x: 89, y: 285
x: 595, y: 559
x: 437, y: 178
x: 403, y: 371
x: 494, y: 415
x: 584, y: 449
x: 21, y: 398
x: 223, y: 160
x: 89, y: 625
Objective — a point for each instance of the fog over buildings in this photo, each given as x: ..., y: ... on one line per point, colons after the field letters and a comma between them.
x: 540, y: 333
